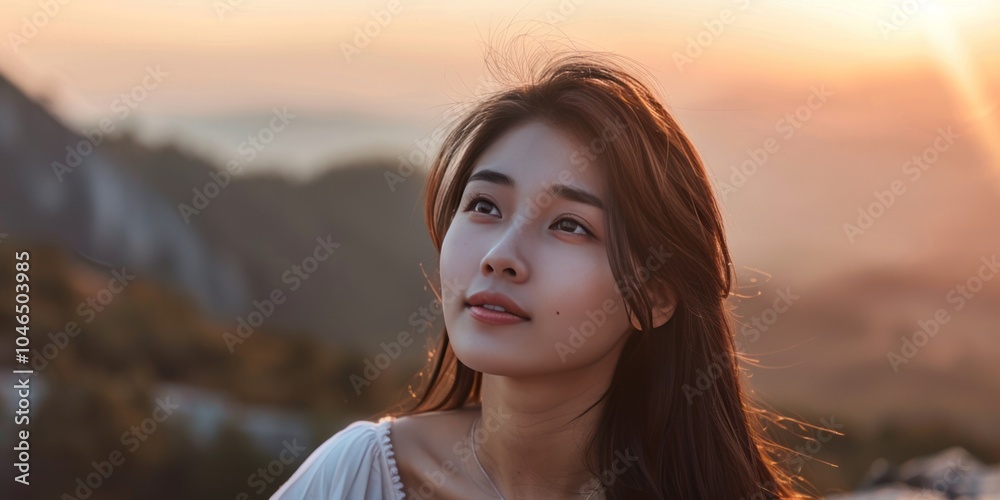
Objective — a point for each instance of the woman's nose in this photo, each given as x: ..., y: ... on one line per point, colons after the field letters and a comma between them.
x: 504, y: 257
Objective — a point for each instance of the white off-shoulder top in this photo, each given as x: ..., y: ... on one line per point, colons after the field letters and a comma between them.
x: 356, y: 463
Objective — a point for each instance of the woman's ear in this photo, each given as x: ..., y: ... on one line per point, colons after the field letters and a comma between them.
x: 663, y: 310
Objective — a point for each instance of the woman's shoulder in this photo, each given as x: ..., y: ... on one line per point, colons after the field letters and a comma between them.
x: 426, y: 442
x: 431, y: 434
x: 357, y: 462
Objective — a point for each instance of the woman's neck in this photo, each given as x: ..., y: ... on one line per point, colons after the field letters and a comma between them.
x: 529, y: 438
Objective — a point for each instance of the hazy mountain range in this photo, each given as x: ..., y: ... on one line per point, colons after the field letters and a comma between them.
x: 122, y: 206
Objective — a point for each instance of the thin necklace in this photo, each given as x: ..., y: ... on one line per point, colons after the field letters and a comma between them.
x: 472, y: 438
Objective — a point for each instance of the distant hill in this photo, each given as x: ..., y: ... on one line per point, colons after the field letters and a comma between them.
x: 121, y: 207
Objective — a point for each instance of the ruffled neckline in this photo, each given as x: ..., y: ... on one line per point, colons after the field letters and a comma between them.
x: 383, y: 430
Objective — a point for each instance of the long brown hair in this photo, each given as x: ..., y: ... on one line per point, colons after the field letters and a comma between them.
x: 693, y: 440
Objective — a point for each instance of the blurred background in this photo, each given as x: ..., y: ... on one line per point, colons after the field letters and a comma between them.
x: 222, y: 203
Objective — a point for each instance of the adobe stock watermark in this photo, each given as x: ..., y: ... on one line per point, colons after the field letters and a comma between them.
x: 714, y: 28
x: 562, y: 12
x: 419, y: 153
x: 33, y: 24
x: 785, y: 127
x: 133, y: 438
x: 422, y: 319
x: 927, y: 329
x: 582, y: 157
x: 372, y: 29
x: 902, y: 13
x: 706, y: 378
x: 293, y: 277
x: 914, y: 168
x: 88, y: 309
x: 122, y: 106
x: 953, y: 474
x: 267, y: 474
x: 608, y: 477
x: 766, y: 319
x: 579, y: 335
x: 814, y: 444
x: 218, y: 180
x: 225, y: 7
x: 432, y: 480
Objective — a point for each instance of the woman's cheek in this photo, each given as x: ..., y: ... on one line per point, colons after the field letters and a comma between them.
x: 588, y: 323
x: 454, y: 280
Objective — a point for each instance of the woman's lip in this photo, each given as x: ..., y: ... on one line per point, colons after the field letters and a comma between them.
x: 494, y: 317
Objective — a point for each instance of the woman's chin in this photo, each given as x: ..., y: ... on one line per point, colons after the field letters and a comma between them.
x: 493, y: 361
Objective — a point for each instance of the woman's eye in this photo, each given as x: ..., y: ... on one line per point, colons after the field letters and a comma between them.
x: 561, y: 223
x: 476, y: 203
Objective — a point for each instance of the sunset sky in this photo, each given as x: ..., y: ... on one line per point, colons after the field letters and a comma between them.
x: 233, y: 58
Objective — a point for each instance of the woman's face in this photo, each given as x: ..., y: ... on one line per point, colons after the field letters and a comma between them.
x: 527, y: 227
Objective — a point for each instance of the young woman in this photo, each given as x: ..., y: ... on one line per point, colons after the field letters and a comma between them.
x: 588, y: 350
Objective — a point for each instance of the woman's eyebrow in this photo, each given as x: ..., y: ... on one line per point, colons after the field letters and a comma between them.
x: 563, y: 191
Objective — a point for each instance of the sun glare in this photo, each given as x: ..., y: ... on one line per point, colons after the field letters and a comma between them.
x: 939, y: 27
